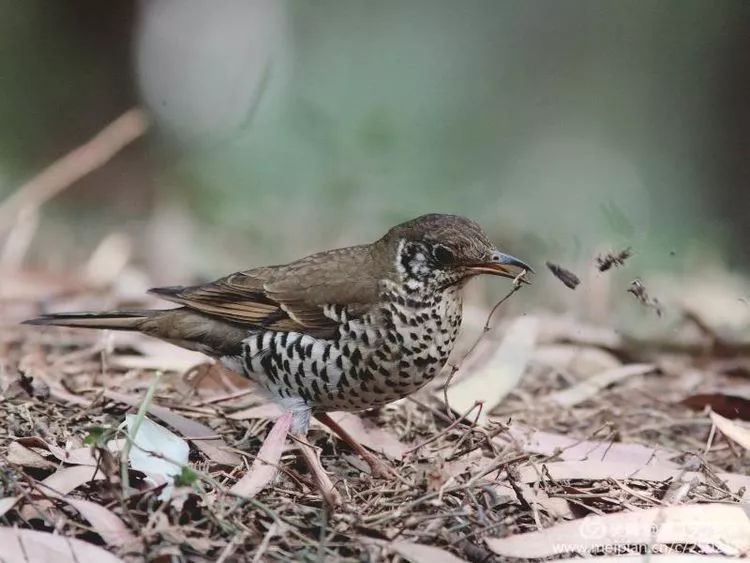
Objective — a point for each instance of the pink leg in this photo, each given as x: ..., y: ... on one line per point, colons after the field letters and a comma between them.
x: 378, y: 468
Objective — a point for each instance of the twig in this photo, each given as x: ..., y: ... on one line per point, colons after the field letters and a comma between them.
x: 455, y: 367
x: 75, y: 165
x: 444, y: 430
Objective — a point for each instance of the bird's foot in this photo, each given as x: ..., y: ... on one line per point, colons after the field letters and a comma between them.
x: 319, y: 475
x: 378, y: 468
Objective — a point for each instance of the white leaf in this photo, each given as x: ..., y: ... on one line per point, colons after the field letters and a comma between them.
x: 732, y: 430
x: 157, y: 452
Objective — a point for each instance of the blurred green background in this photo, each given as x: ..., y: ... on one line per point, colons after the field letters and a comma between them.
x: 565, y: 128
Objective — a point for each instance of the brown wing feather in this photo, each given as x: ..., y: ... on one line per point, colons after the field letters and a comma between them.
x: 289, y: 297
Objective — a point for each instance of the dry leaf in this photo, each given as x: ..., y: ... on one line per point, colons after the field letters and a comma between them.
x: 7, y: 504
x: 419, y: 553
x: 724, y: 526
x: 598, y: 470
x: 266, y: 410
x: 68, y: 479
x: 103, y: 521
x: 265, y: 466
x: 591, y: 386
x: 728, y: 406
x: 500, y: 373
x: 21, y: 455
x: 583, y: 361
x: 650, y: 558
x: 75, y: 456
x: 568, y: 448
x: 370, y: 435
x: 732, y: 430
x: 567, y: 277
x: 215, y: 448
x: 28, y: 546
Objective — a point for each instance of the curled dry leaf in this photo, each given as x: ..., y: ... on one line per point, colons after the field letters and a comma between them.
x: 107, y: 524
x: 26, y: 546
x: 732, y: 430
x: 492, y: 381
x: 265, y: 466
x: 724, y: 526
x: 591, y: 386
x: 568, y: 278
x: 21, y: 455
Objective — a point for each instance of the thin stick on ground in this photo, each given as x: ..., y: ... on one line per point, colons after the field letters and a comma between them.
x: 75, y: 165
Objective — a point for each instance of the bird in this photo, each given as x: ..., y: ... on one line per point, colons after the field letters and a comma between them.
x: 347, y: 329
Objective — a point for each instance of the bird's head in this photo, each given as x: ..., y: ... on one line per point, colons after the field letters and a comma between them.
x: 441, y: 250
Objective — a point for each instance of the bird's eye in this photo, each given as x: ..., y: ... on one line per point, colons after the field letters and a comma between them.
x: 443, y: 255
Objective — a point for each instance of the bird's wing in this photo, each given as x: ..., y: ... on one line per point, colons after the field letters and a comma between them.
x: 286, y: 298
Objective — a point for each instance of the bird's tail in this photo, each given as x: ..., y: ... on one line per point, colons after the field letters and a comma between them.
x: 112, y: 320
x: 182, y: 327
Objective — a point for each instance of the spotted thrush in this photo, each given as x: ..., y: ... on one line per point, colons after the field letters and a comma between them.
x: 345, y: 329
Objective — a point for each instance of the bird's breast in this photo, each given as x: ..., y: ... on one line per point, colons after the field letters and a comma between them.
x: 382, y: 356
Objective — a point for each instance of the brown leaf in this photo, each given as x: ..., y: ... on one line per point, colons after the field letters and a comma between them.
x: 566, y: 276
x: 265, y: 466
x: 104, y: 521
x: 728, y: 406
x: 420, y: 553
x: 215, y: 449
x: 721, y: 525
x: 21, y: 455
x: 26, y: 546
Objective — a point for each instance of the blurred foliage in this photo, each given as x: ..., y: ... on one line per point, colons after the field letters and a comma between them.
x: 562, y: 127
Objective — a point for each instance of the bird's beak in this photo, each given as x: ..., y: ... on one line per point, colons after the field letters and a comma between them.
x: 502, y: 265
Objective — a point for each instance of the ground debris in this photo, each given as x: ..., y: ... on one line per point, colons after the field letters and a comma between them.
x: 607, y: 261
x: 566, y: 276
x: 638, y: 290
x: 525, y: 465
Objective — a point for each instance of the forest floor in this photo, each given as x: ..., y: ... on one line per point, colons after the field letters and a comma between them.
x: 561, y: 440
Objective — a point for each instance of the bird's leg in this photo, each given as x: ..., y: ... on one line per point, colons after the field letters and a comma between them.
x: 378, y: 468
x: 300, y: 424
